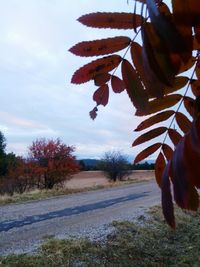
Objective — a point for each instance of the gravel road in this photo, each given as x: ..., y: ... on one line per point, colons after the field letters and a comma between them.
x: 23, y: 227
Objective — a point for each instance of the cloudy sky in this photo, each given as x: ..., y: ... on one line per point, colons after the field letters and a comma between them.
x: 37, y: 98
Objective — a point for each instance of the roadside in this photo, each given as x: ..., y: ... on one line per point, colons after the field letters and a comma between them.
x: 148, y: 241
x: 81, y: 182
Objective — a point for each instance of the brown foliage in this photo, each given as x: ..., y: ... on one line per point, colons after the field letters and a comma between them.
x: 170, y: 46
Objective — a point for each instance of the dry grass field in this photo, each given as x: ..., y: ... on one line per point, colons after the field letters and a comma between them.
x: 83, y: 181
x: 87, y: 179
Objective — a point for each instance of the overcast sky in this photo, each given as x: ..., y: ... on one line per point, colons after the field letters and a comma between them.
x: 37, y: 98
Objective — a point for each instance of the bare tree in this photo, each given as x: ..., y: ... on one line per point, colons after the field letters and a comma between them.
x: 115, y: 165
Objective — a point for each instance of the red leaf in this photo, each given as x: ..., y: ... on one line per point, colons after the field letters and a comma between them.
x: 100, y: 47
x: 149, y: 135
x: 162, y: 21
x: 158, y: 56
x: 117, y: 84
x: 93, y: 113
x: 134, y: 86
x: 183, y: 122
x: 160, y: 104
x: 167, y: 204
x: 153, y: 86
x: 168, y: 151
x: 174, y: 136
x: 101, y: 79
x: 159, y: 168
x: 179, y: 82
x: 162, y: 116
x: 195, y: 84
x: 189, y: 104
x: 101, y: 95
x: 91, y: 70
x: 112, y: 20
x: 185, y: 194
x: 147, y: 152
x: 192, y: 161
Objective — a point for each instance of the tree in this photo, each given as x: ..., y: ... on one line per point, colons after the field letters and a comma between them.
x: 170, y: 46
x: 115, y: 165
x: 2, y: 154
x: 2, y: 144
x: 54, y: 160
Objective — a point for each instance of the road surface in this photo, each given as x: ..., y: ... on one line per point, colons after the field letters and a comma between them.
x: 23, y: 227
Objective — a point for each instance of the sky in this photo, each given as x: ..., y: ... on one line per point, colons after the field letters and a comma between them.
x: 37, y: 98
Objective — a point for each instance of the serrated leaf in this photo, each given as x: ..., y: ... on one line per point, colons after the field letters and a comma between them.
x: 134, y: 86
x: 147, y: 152
x: 183, y: 122
x: 197, y: 70
x: 158, y: 56
x: 179, y: 82
x: 174, y: 136
x: 159, y: 168
x: 117, y: 84
x: 162, y: 21
x: 91, y: 70
x: 185, y: 194
x: 100, y: 47
x: 167, y: 204
x: 159, y: 117
x: 152, y: 85
x: 168, y: 151
x: 185, y: 66
x: 101, y: 95
x: 101, y: 79
x: 191, y: 160
x: 181, y: 17
x: 149, y: 135
x: 195, y: 84
x: 112, y: 20
x: 189, y: 104
x: 160, y: 104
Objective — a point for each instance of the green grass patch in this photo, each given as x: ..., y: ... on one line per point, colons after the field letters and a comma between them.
x: 149, y: 242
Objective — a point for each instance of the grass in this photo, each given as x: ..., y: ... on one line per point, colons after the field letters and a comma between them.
x: 43, y: 194
x: 148, y: 242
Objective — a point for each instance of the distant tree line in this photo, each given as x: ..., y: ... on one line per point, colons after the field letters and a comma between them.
x: 96, y: 166
x: 49, y: 163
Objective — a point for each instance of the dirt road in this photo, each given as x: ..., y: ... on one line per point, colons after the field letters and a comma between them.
x: 24, y: 226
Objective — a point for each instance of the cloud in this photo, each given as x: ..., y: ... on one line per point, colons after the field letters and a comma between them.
x: 37, y: 98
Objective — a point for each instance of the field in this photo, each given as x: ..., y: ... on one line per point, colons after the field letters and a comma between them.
x: 87, y: 179
x: 83, y: 181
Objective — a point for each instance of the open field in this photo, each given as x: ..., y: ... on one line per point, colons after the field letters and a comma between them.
x: 97, y: 178
x: 83, y: 181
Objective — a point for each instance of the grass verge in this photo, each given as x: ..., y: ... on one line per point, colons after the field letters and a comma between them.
x: 43, y: 194
x: 149, y: 242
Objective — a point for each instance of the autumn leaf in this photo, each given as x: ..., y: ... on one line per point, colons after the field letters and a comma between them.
x: 159, y: 168
x: 183, y: 122
x: 160, y: 104
x: 112, y: 20
x: 147, y: 152
x: 101, y: 95
x: 117, y: 84
x: 100, y: 47
x: 149, y: 135
x: 174, y: 136
x: 91, y: 70
x: 159, y: 117
x: 167, y: 204
x: 134, y: 86
x: 101, y: 79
